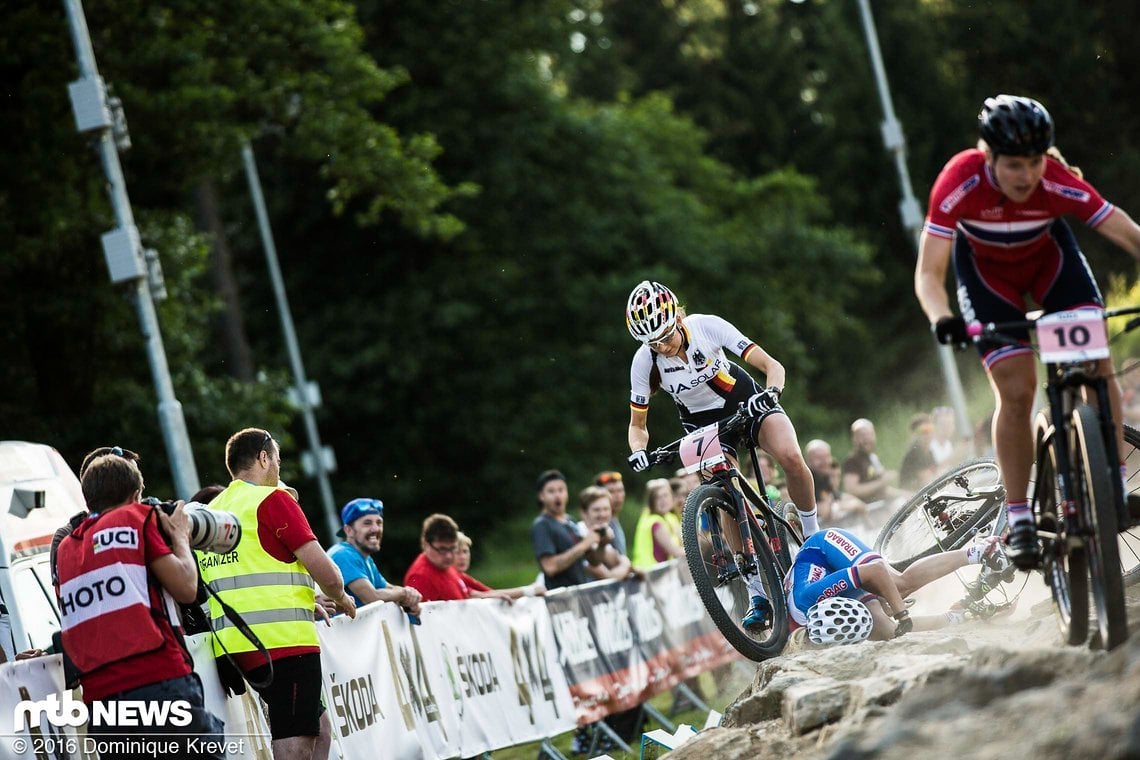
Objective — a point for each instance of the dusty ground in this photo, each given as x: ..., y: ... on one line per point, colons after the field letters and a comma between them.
x: 1004, y: 688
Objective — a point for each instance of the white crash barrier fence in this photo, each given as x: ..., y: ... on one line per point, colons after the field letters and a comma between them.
x: 475, y: 676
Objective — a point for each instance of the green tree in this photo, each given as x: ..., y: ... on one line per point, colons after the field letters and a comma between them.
x: 195, y: 79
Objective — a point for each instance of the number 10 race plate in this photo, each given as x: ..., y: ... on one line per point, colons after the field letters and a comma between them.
x: 1077, y: 335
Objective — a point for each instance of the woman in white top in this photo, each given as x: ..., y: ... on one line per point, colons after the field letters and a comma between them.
x: 684, y: 356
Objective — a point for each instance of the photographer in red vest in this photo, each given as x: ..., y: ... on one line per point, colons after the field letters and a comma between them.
x: 119, y: 573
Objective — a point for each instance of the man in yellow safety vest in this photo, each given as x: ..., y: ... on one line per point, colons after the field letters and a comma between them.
x: 268, y: 579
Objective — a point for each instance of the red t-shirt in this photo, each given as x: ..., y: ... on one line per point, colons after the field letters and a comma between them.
x: 282, y: 528
x: 436, y: 585
x: 472, y: 584
x: 169, y: 661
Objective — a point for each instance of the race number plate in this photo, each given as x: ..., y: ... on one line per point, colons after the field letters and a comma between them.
x: 700, y: 449
x: 1078, y: 335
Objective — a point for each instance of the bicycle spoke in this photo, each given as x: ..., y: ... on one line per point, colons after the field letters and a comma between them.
x: 944, y: 515
x: 1129, y: 543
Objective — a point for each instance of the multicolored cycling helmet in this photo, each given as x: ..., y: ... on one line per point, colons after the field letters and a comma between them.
x: 1015, y: 126
x: 839, y: 620
x: 651, y: 311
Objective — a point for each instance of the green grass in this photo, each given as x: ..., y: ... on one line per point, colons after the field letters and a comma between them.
x: 717, y: 699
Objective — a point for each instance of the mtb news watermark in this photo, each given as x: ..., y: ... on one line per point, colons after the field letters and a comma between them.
x: 158, y: 713
x: 164, y: 715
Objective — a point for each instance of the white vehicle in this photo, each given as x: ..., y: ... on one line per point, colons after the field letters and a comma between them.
x: 38, y: 494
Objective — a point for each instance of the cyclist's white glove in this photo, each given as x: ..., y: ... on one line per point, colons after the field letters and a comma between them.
x: 638, y: 460
x: 764, y: 401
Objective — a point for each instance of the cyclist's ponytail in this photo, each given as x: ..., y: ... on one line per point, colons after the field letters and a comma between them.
x: 1055, y: 154
x: 654, y: 376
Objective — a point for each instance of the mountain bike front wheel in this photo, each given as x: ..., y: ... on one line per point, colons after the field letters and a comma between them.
x: 1066, y: 566
x: 944, y: 515
x: 719, y: 573
x: 1093, y: 486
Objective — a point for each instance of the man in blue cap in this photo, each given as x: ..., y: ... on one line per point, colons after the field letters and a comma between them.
x: 363, y: 521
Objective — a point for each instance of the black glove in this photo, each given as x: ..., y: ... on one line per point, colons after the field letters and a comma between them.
x: 764, y: 401
x: 638, y: 460
x: 951, y: 331
x: 904, y: 624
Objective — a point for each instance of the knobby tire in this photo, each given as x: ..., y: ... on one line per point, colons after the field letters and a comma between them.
x: 712, y: 500
x: 1065, y: 560
x: 1096, y: 493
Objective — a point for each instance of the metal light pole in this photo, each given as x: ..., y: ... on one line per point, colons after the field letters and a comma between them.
x: 122, y: 247
x: 909, y: 209
x: 318, y: 460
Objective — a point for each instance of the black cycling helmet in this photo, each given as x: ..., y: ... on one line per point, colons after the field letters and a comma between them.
x: 1015, y: 126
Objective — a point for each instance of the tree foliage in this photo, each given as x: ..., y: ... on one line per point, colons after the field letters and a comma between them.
x: 463, y: 194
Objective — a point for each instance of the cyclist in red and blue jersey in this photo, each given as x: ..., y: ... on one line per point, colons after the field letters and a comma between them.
x: 996, y: 210
x: 684, y: 356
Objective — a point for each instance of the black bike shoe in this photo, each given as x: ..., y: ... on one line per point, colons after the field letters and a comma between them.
x: 903, y: 623
x: 1022, y: 546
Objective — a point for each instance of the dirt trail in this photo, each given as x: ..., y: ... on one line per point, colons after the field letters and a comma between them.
x: 1003, y: 688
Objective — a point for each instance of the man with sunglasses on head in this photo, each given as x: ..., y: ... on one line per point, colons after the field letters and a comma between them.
x: 683, y: 355
x: 268, y: 579
x: 363, y: 530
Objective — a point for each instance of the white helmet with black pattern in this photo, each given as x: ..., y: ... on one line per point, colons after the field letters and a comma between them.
x: 651, y: 311
x: 839, y: 620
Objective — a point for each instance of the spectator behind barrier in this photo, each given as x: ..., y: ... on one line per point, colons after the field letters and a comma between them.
x: 603, y: 561
x: 863, y: 473
x: 362, y: 528
x: 134, y: 651
x: 612, y: 482
x: 558, y: 546
x: 918, y: 464
x: 835, y: 507
x: 433, y: 572
x: 657, y: 537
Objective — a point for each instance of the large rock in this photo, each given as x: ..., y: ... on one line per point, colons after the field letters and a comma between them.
x: 999, y: 690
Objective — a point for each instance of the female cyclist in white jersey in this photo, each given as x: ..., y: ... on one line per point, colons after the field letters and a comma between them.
x: 684, y: 356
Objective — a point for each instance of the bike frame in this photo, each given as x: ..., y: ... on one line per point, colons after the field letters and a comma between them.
x: 728, y: 478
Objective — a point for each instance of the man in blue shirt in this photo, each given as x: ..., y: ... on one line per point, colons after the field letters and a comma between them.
x: 363, y: 521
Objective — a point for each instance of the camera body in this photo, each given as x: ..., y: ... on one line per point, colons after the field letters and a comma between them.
x: 210, y: 530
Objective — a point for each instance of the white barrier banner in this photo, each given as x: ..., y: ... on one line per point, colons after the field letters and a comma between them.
x: 33, y: 680
x: 247, y: 730
x: 379, y: 698
x: 499, y: 682
x: 476, y: 676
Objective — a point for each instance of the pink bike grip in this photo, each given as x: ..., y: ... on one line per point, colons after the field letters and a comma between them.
x: 974, y: 329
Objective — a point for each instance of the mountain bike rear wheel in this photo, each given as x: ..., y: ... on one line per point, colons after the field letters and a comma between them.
x: 1129, y: 543
x: 935, y: 521
x: 1065, y: 562
x: 716, y: 572
x: 1092, y: 475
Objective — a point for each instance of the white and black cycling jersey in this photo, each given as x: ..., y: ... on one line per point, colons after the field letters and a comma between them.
x: 704, y: 380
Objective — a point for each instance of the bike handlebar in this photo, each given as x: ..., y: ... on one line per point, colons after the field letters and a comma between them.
x: 729, y: 425
x: 992, y: 329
